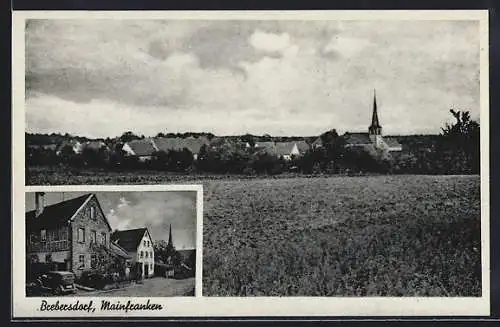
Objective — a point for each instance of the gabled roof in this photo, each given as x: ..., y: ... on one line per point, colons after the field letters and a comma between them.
x: 176, y: 143
x: 128, y: 239
x: 51, y: 147
x: 118, y: 250
x: 95, y: 145
x: 317, y: 142
x: 284, y: 148
x: 142, y: 147
x: 56, y: 214
x: 267, y: 144
x: 392, y: 142
x: 356, y: 138
x: 302, y: 145
x: 72, y: 143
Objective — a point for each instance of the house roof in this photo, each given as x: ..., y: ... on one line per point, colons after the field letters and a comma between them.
x: 94, y: 145
x: 142, y: 147
x: 72, y: 143
x: 56, y: 214
x: 51, y: 147
x: 302, y: 145
x: 267, y: 145
x: 317, y: 141
x: 119, y: 251
x: 176, y: 143
x: 392, y: 142
x: 357, y: 138
x: 128, y: 239
x: 283, y: 148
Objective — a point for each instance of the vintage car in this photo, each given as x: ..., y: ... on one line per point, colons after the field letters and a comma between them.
x: 57, y: 282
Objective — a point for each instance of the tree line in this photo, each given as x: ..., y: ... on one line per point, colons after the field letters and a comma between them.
x: 456, y: 150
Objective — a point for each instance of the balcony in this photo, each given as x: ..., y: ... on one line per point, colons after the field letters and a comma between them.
x: 51, y: 246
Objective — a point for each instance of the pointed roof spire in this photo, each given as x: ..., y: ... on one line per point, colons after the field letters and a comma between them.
x: 375, y: 127
x: 170, y: 240
x: 375, y: 122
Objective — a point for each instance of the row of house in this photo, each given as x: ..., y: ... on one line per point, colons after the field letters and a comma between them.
x: 67, y: 235
x: 144, y: 149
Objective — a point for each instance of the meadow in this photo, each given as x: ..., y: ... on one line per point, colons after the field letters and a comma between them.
x: 392, y: 235
x: 343, y: 236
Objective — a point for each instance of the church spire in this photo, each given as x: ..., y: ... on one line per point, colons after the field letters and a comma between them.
x: 170, y: 240
x: 375, y: 127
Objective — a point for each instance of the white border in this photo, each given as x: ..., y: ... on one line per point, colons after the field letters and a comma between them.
x: 252, y: 306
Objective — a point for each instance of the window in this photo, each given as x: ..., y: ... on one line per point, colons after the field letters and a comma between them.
x: 142, y: 254
x: 147, y: 254
x: 151, y: 254
x: 43, y: 235
x: 81, y: 261
x: 48, y: 257
x: 144, y: 243
x: 92, y: 213
x: 151, y: 266
x: 93, y: 236
x: 93, y: 261
x: 103, y: 237
x: 81, y: 235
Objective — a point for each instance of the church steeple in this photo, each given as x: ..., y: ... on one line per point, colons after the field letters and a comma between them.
x: 375, y: 128
x: 170, y: 240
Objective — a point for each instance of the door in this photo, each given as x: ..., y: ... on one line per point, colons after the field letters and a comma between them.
x: 146, y: 270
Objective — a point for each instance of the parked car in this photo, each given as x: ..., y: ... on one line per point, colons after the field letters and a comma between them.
x: 56, y: 282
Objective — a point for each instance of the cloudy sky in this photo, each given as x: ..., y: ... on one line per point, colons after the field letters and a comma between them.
x: 154, y: 210
x: 99, y: 78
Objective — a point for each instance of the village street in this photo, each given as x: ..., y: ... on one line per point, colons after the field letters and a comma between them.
x: 153, y: 287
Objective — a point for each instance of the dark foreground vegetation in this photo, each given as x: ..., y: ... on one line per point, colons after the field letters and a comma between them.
x: 455, y: 151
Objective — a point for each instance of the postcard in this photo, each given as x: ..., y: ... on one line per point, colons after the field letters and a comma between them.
x: 250, y: 164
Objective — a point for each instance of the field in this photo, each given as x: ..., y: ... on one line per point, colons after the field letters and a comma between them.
x: 329, y: 236
x: 343, y: 236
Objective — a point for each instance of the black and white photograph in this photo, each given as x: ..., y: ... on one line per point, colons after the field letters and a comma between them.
x: 342, y: 155
x: 111, y: 244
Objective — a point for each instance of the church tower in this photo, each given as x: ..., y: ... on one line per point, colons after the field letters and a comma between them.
x: 375, y: 130
x: 170, y: 240
x: 375, y: 127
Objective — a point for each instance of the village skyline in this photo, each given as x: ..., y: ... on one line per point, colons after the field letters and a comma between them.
x: 282, y: 78
x: 157, y: 211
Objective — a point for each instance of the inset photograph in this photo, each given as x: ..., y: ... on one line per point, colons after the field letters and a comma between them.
x: 133, y: 244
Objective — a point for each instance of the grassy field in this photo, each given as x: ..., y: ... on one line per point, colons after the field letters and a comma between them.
x: 70, y: 176
x: 328, y: 236
x: 341, y: 236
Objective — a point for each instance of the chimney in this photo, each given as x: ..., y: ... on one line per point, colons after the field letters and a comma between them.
x: 39, y: 203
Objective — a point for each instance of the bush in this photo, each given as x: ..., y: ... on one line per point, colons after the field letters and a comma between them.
x: 95, y: 279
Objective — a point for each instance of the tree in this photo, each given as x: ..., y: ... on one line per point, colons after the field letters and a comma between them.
x: 248, y: 138
x: 95, y: 157
x: 159, y: 160
x: 459, y: 148
x: 179, y: 160
x: 128, y: 136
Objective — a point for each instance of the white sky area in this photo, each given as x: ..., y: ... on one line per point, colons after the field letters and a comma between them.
x: 100, y: 78
x: 154, y: 210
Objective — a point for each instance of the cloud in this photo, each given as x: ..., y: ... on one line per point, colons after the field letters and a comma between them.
x: 233, y: 77
x: 270, y: 42
x: 346, y: 46
x: 157, y: 211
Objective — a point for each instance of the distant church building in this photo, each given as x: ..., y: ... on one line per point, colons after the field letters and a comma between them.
x: 373, y: 137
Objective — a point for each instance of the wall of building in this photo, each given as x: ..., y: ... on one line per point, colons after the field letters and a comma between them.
x: 146, y: 245
x: 98, y: 224
x: 59, y: 256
